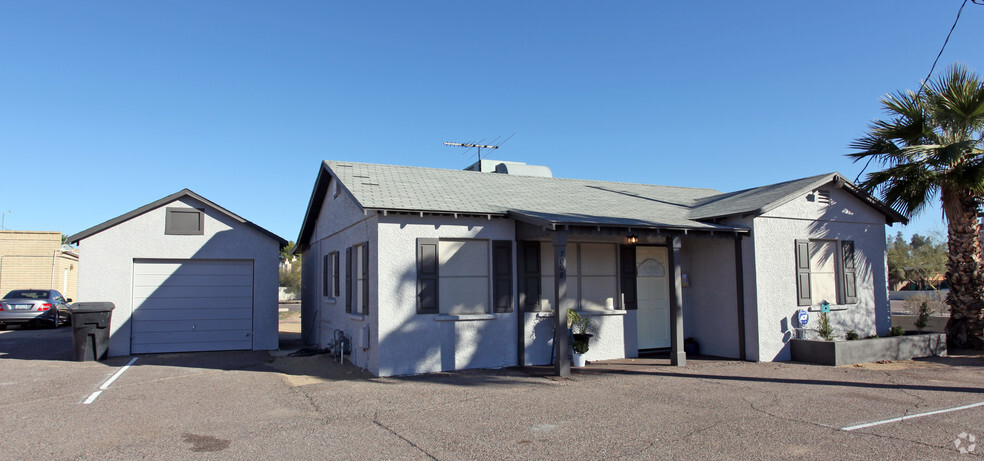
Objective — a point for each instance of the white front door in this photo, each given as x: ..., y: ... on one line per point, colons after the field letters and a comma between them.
x: 654, y: 297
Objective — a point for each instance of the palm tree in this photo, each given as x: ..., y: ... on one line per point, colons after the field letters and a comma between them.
x: 931, y: 148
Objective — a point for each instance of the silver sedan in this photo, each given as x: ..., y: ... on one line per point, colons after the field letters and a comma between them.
x: 35, y: 307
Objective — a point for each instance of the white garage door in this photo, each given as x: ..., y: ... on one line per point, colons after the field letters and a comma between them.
x: 192, y: 305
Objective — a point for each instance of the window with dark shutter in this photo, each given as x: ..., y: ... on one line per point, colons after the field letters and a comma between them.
x: 348, y: 280
x: 627, y: 258
x: 850, y: 278
x: 335, y: 275
x: 427, y: 276
x: 529, y: 276
x: 803, y: 294
x: 502, y: 276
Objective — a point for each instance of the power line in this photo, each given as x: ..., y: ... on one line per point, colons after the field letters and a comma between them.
x: 931, y: 69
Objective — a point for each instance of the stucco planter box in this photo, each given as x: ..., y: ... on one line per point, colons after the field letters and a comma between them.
x: 868, y: 350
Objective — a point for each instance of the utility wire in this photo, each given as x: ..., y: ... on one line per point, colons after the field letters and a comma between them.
x: 931, y: 69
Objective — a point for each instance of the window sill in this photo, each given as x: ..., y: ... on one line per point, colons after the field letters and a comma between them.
x: 463, y: 317
x: 598, y: 313
x: 359, y: 317
x: 330, y: 300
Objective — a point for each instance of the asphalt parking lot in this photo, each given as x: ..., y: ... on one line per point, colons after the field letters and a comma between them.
x: 248, y: 405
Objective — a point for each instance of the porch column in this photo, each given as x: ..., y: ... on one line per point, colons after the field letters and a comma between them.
x: 677, y: 356
x: 561, y: 347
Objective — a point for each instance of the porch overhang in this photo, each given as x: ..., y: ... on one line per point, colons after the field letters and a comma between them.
x: 576, y: 224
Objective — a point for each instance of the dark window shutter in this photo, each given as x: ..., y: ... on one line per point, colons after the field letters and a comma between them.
x: 348, y: 280
x: 427, y: 276
x: 803, y: 295
x: 627, y: 274
x: 529, y: 276
x: 365, y: 278
x: 334, y: 274
x: 325, y: 272
x: 850, y: 274
x: 502, y: 300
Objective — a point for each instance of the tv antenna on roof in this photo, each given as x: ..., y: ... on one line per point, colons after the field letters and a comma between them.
x: 470, y: 145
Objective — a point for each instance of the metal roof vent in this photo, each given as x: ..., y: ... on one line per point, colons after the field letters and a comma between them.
x: 511, y: 168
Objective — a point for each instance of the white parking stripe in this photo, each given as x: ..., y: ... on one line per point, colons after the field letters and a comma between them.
x: 92, y: 398
x: 117, y: 375
x: 917, y: 415
x: 105, y: 385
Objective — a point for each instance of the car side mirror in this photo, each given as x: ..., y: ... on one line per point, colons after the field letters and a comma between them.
x: 68, y: 299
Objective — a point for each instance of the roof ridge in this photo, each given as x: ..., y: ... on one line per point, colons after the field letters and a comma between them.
x: 524, y: 178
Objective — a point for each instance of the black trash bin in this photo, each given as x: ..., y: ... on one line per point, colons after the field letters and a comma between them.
x: 90, y: 330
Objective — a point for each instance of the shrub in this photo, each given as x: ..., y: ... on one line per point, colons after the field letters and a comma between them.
x: 915, y: 305
x: 824, y: 329
x: 852, y: 335
x: 923, y: 319
x: 896, y: 331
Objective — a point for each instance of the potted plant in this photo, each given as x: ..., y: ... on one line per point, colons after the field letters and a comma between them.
x: 690, y: 346
x: 579, y: 326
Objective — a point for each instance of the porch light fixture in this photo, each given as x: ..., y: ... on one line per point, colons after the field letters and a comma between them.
x: 632, y: 239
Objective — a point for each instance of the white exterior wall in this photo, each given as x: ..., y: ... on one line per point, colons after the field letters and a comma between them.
x: 710, y: 303
x: 409, y: 343
x: 106, y: 265
x: 774, y: 234
x: 340, y: 225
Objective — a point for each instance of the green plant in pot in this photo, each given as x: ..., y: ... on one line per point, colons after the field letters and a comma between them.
x: 579, y: 326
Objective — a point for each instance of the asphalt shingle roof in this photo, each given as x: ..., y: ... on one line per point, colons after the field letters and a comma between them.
x: 563, y: 201
x: 756, y: 199
x: 555, y: 200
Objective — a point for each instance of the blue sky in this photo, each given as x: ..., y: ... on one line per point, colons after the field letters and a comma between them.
x: 108, y: 106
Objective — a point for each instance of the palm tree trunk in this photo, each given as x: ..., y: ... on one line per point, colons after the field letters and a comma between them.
x: 964, y: 274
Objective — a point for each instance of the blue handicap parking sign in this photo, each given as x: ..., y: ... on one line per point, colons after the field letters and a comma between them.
x: 804, y: 317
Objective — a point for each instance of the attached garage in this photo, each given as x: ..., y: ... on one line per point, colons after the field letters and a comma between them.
x: 185, y: 275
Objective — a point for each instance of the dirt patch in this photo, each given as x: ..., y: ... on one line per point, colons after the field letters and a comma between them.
x: 316, y: 369
x: 205, y: 443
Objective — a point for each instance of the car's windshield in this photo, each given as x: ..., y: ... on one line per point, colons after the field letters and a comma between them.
x: 32, y: 294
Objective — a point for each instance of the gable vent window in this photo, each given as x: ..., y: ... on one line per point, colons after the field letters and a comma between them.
x: 184, y: 221
x: 823, y: 197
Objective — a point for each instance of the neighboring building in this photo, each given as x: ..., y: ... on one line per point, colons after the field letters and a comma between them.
x: 185, y: 275
x: 430, y: 270
x: 37, y: 259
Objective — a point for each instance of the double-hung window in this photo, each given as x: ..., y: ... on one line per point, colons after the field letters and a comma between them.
x: 825, y: 271
x: 464, y: 276
x: 330, y: 275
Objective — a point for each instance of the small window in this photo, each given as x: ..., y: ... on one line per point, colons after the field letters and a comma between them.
x: 184, y: 221
x: 334, y: 188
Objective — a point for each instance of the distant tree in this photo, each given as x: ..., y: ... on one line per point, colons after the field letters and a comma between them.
x: 899, y: 257
x: 285, y: 252
x: 290, y: 277
x: 919, y: 262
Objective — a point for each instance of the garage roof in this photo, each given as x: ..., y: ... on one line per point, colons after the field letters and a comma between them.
x: 164, y: 201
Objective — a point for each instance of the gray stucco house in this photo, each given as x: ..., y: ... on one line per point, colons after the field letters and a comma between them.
x: 431, y: 269
x: 184, y: 274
